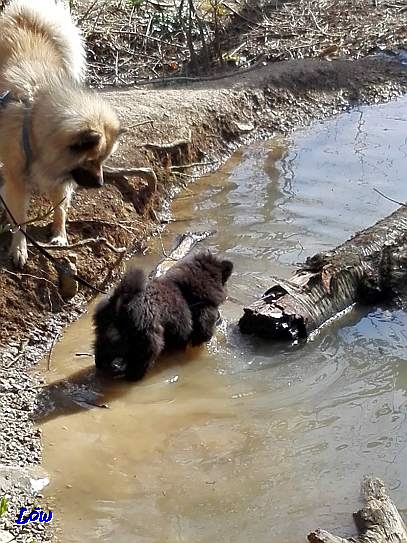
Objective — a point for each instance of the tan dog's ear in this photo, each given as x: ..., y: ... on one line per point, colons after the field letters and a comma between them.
x: 85, y: 140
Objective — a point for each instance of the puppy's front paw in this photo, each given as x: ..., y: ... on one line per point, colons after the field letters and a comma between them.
x: 60, y: 240
x: 19, y: 255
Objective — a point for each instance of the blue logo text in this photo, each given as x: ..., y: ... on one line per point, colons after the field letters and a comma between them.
x: 36, y: 515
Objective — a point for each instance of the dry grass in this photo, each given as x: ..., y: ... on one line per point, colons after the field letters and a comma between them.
x: 328, y: 28
x: 131, y: 41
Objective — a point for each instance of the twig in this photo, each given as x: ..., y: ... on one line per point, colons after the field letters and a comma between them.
x: 85, y: 15
x: 135, y: 33
x: 84, y: 354
x: 19, y: 275
x: 39, y: 218
x: 186, y: 78
x: 149, y: 121
x: 94, y: 404
x: 114, y: 266
x: 182, y: 174
x: 316, y: 22
x: 21, y: 351
x: 82, y: 243
x: 157, y: 5
x: 114, y: 173
x: 14, y: 361
x: 116, y: 70
x: 388, y: 198
x: 51, y: 351
x: 192, y: 165
x: 163, y: 250
x: 145, y: 173
x: 125, y: 227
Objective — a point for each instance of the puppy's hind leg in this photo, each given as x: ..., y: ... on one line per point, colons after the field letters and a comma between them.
x: 16, y: 197
x: 61, y: 199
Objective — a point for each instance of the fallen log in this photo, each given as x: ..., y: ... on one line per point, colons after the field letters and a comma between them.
x: 183, y: 244
x: 369, y: 266
x: 378, y: 522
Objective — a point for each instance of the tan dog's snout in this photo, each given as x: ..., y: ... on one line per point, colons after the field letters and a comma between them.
x: 88, y: 177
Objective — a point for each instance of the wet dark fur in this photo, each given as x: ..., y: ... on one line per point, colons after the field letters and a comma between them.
x: 140, y: 318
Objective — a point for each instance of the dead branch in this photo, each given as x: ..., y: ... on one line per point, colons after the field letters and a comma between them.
x: 141, y: 123
x: 35, y: 277
x: 193, y: 165
x: 51, y: 351
x: 388, y: 198
x: 126, y: 227
x: 82, y: 243
x: 192, y: 79
x: 182, y: 246
x: 39, y: 218
x: 378, y: 522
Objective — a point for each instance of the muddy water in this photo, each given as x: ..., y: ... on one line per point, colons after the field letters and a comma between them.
x: 243, y: 441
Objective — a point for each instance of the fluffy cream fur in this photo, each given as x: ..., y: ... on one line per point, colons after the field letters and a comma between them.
x: 71, y: 130
x: 55, y: 22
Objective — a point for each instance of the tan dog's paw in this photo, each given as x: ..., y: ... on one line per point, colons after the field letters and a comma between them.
x: 19, y: 255
x: 59, y: 240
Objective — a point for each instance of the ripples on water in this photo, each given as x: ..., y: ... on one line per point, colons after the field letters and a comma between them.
x: 243, y: 440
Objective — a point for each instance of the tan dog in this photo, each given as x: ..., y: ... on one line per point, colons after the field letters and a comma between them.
x: 52, y: 131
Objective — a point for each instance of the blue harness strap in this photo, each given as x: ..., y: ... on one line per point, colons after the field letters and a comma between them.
x: 5, y: 98
x: 26, y: 140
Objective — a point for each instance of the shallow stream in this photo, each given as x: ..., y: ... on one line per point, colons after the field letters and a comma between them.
x: 243, y: 441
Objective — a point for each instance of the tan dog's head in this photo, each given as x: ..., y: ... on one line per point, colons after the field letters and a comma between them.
x: 73, y: 133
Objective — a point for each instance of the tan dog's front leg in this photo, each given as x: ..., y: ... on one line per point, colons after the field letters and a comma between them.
x: 15, y: 195
x: 61, y: 198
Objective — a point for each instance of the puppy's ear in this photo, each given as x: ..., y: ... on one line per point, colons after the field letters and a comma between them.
x: 85, y: 140
x: 132, y: 284
x: 227, y: 268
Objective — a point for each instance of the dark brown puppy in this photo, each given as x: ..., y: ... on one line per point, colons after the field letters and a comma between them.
x: 140, y: 318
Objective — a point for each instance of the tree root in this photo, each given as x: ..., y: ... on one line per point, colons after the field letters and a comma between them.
x: 168, y: 146
x: 145, y: 173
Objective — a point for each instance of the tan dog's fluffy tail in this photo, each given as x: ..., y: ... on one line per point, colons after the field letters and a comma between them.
x: 54, y: 23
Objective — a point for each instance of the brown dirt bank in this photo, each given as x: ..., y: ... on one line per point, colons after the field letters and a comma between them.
x: 206, y: 121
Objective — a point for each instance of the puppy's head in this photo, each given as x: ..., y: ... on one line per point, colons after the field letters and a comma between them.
x: 73, y: 133
x: 109, y: 343
x: 114, y: 325
x: 202, y: 277
x: 216, y: 268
